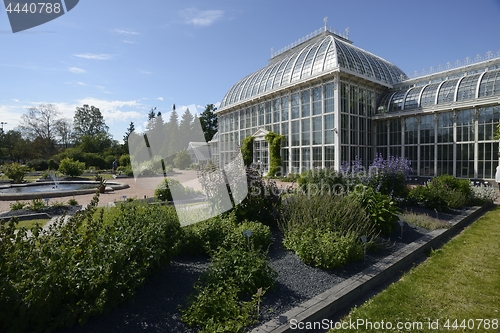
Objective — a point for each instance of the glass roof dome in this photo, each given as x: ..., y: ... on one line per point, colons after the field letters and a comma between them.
x: 312, y: 58
x: 466, y: 87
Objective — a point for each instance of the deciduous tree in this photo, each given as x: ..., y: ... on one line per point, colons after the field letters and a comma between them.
x: 88, y: 120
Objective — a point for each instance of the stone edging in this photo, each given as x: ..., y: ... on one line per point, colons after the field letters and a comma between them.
x: 110, y: 186
x: 34, y: 216
x: 341, y: 295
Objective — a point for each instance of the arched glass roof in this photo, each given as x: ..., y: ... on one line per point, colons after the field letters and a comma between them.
x: 312, y: 58
x: 457, y: 89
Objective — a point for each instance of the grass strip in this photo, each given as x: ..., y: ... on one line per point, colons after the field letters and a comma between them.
x: 31, y: 223
x: 457, y: 288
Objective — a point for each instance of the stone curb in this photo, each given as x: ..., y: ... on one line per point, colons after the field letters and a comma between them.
x: 341, y: 295
x: 35, y: 216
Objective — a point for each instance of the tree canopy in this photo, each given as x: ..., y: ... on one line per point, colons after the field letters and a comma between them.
x: 88, y: 120
x: 208, y: 120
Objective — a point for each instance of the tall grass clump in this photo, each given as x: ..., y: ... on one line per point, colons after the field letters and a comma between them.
x: 324, y: 230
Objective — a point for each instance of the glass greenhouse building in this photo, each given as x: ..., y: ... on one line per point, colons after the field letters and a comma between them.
x: 334, y: 102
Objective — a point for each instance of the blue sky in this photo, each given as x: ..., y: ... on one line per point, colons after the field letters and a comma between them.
x: 126, y: 57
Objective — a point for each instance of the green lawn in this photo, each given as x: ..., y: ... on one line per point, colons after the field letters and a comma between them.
x: 460, y: 281
x: 31, y: 223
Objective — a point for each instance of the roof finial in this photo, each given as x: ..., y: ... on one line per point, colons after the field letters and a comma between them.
x: 326, y: 23
x: 347, y: 33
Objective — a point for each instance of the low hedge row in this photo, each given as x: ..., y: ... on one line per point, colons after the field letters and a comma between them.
x: 83, y: 267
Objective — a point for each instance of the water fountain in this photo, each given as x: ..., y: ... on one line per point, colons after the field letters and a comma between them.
x: 53, y: 176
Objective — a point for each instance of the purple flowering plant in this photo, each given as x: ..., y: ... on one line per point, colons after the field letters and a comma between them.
x: 388, y: 176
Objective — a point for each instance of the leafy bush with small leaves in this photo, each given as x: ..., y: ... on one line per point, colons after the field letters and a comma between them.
x: 207, y: 236
x: 249, y: 233
x: 233, y: 275
x: 380, y: 207
x: 324, y: 248
x: 246, y: 266
x: 81, y: 267
x: 15, y: 171
x: 441, y: 193
x: 217, y: 308
x: 71, y: 168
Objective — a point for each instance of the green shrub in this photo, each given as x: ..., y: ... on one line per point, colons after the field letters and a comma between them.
x: 262, y: 201
x: 164, y: 189
x: 18, y: 205
x: 247, y: 267
x: 441, y: 193
x: 52, y: 165
x: 461, y: 185
x: 291, y: 177
x: 95, y: 160
x: 381, y: 208
x: 38, y: 164
x: 324, y: 248
x: 71, y: 168
x: 217, y: 308
x: 124, y: 160
x: 182, y: 160
x: 311, y: 223
x: 36, y: 205
x: 322, y: 182
x: 72, y: 202
x: 249, y: 233
x: 15, y: 171
x: 82, y: 267
x: 234, y: 274
x: 207, y: 236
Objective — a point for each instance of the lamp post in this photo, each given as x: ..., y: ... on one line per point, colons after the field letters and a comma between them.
x: 2, y: 123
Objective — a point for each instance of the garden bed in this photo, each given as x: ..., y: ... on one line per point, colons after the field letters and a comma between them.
x: 156, y: 305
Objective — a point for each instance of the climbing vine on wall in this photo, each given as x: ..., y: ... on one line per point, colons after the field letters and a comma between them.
x: 247, y: 150
x: 275, y: 141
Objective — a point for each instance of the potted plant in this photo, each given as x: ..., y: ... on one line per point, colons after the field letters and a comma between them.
x: 102, y: 185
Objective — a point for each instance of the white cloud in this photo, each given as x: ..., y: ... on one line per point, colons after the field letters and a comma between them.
x: 77, y: 70
x: 160, y: 98
x: 94, y: 56
x: 145, y: 72
x: 113, y: 110
x: 202, y: 18
x: 182, y: 108
x: 15, y: 100
x: 128, y: 41
x: 127, y: 32
x: 81, y: 83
